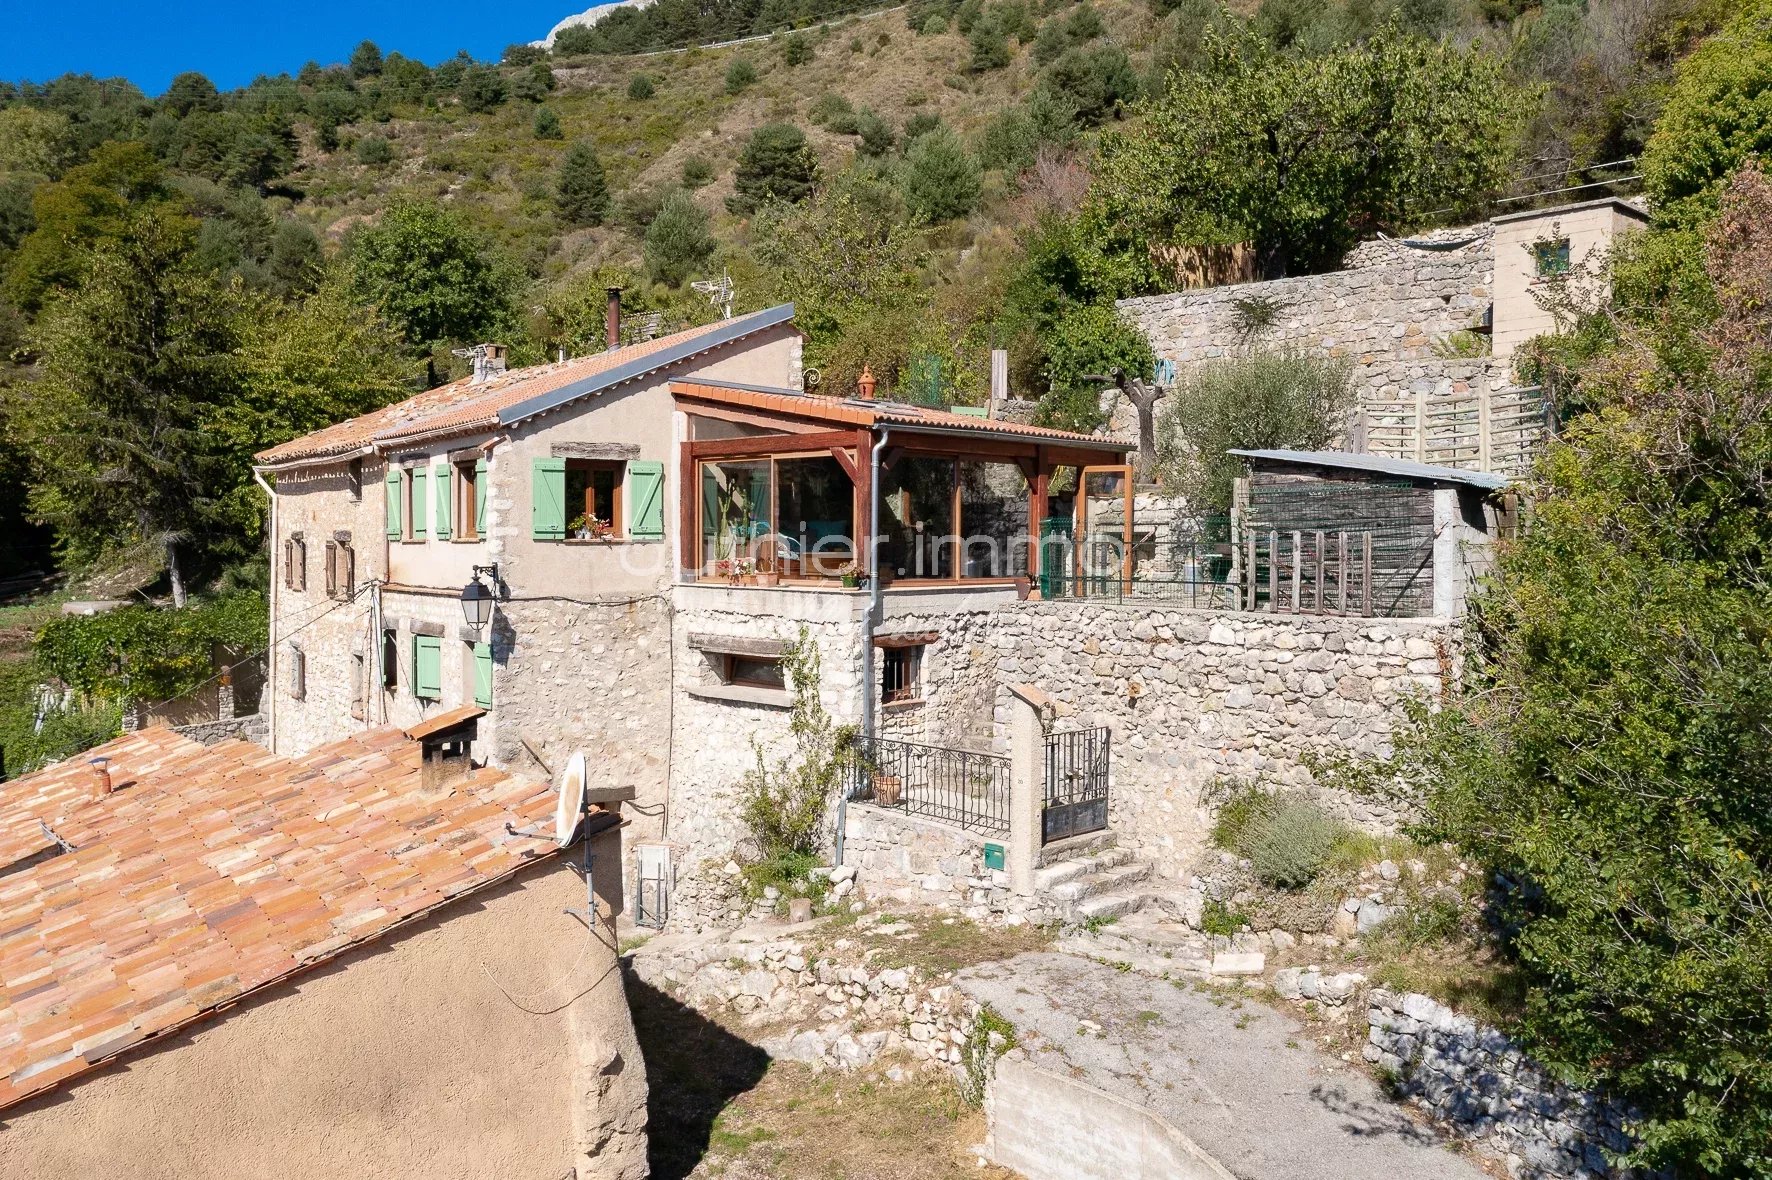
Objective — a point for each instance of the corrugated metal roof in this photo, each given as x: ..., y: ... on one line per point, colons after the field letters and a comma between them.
x: 511, y: 397
x: 1488, y: 481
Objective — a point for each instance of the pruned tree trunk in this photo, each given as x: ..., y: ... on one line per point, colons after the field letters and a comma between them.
x: 1144, y: 397
x: 175, y: 576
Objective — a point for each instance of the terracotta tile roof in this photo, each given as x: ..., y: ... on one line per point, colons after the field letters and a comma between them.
x: 856, y: 412
x: 463, y: 406
x: 212, y: 871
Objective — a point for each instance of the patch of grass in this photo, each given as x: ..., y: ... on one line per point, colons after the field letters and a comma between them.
x: 1218, y: 918
x: 941, y: 946
x: 1099, y: 923
x: 1474, y: 981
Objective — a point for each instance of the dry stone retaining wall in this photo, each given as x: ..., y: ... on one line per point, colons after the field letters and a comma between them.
x: 1479, y: 1081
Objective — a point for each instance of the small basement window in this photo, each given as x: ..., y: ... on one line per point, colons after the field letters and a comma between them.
x: 298, y: 673
x: 901, y: 674
x: 754, y: 671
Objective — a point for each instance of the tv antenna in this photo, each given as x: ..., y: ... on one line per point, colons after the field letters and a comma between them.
x: 718, y: 291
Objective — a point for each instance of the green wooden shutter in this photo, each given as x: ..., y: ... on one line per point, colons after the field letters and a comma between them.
x: 483, y: 675
x: 445, y: 489
x: 547, y: 499
x: 480, y: 497
x: 392, y: 486
x: 645, y: 499
x: 427, y: 667
x: 420, y: 494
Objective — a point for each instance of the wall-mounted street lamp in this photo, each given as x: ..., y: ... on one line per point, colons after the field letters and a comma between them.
x: 477, y: 597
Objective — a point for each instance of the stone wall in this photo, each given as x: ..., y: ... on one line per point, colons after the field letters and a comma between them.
x: 1390, y: 303
x: 711, y: 737
x: 252, y: 727
x: 1479, y: 1081
x: 909, y: 859
x: 587, y: 676
x: 1194, y: 696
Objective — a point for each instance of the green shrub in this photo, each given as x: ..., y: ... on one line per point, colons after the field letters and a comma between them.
x: 1218, y: 918
x: 1288, y: 847
x: 827, y: 108
x: 581, y: 190
x: 796, y: 49
x: 678, y: 242
x: 698, y: 172
x: 777, y: 164
x: 941, y: 180
x: 919, y: 125
x: 785, y: 806
x: 546, y: 124
x: 481, y: 89
x: 876, y: 133
x: 374, y: 150
x: 1266, y: 399
x: 740, y: 74
x: 640, y: 87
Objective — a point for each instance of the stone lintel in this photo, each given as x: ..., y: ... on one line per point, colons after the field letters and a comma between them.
x: 594, y: 450
x: 738, y: 645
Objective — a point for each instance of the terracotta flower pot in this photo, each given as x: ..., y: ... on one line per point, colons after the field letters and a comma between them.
x: 888, y: 790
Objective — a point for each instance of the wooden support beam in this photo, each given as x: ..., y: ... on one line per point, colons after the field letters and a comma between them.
x: 760, y: 445
x: 1273, y: 571
x: 1039, y: 495
x: 688, y: 497
x: 847, y: 461
x: 864, y: 495
x: 1341, y: 570
x: 1249, y: 565
x: 1297, y: 568
x: 1366, y: 574
x: 1318, y: 601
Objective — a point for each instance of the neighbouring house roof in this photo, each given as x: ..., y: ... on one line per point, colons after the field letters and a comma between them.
x: 1616, y: 204
x: 504, y: 400
x: 1488, y: 481
x: 210, y: 872
x: 896, y: 415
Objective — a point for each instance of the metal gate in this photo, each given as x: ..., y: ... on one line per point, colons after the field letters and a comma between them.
x: 1076, y: 783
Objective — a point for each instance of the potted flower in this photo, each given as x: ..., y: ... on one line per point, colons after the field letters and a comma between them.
x: 723, y: 569
x: 768, y: 577
x: 746, y: 570
x: 602, y: 530
x: 851, y: 576
x: 888, y: 789
x: 580, y: 526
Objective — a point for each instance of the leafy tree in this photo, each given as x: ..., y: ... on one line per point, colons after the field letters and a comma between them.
x: 849, y: 264
x: 533, y: 84
x: 131, y: 363
x: 777, y: 165
x: 919, y: 125
x: 88, y: 205
x: 581, y: 192
x: 1264, y: 399
x: 640, y: 87
x: 33, y: 140
x: 941, y: 180
x: 678, y: 242
x: 366, y: 61
x: 16, y: 218
x: 521, y: 53
x: 546, y: 124
x: 1302, y: 156
x: 433, y: 277
x: 740, y: 75
x: 1718, y: 114
x: 481, y: 89
x: 1608, y: 753
x: 1008, y: 141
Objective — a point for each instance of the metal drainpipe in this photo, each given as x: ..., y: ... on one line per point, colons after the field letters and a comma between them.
x: 868, y: 621
x: 270, y: 689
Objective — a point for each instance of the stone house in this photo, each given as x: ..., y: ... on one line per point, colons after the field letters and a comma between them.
x: 216, y: 961
x: 648, y: 529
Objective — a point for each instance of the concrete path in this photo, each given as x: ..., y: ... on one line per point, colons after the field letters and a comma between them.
x: 1240, y: 1079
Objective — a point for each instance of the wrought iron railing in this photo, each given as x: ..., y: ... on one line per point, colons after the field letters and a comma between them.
x: 958, y: 787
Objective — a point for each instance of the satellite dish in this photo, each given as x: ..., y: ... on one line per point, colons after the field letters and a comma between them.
x: 570, y: 807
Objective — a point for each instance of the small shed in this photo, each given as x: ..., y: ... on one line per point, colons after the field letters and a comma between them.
x: 1339, y: 532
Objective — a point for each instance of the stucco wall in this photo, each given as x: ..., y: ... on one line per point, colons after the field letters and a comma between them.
x: 1591, y: 230
x: 403, y: 1059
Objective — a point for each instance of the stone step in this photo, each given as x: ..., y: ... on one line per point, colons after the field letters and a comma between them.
x: 1105, y: 905
x: 1111, y: 880
x: 1081, y: 866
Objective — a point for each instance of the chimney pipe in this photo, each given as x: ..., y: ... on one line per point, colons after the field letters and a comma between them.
x: 101, y: 777
x: 612, y: 319
x: 864, y: 384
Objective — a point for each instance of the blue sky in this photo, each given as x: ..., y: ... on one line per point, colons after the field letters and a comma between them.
x: 235, y: 42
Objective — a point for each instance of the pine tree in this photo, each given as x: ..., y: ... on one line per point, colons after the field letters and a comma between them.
x: 777, y: 165
x: 678, y: 242
x: 582, y: 192
x: 547, y: 124
x: 941, y: 180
